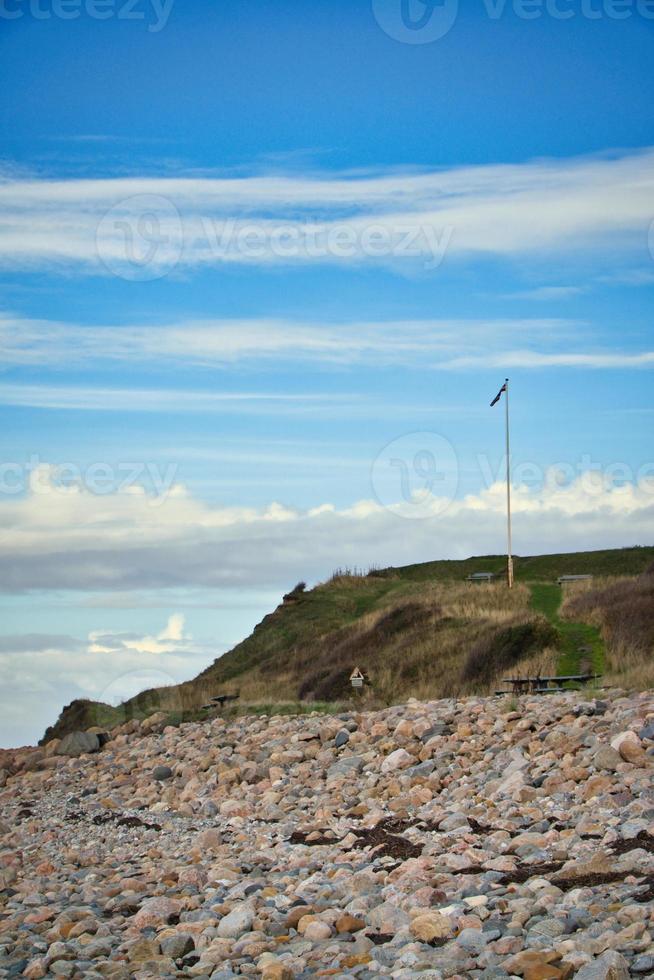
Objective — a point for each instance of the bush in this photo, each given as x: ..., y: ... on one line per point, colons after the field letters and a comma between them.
x: 295, y: 593
x: 503, y: 648
x: 625, y: 611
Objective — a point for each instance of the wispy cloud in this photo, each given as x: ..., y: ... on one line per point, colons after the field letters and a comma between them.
x: 507, y: 210
x: 534, y: 359
x: 452, y: 344
x: 548, y: 293
x: 79, y: 398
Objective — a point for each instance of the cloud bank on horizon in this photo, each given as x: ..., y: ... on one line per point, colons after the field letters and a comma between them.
x: 75, y: 541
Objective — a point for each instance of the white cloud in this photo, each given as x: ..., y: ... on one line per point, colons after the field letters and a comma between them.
x: 546, y: 293
x: 445, y: 344
x: 75, y: 540
x: 81, y: 542
x: 40, y: 674
x: 79, y: 398
x: 510, y: 210
x: 535, y: 359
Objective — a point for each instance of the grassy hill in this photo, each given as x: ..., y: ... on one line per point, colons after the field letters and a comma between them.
x: 420, y: 630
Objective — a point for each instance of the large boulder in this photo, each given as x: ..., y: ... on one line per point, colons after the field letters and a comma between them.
x: 77, y: 743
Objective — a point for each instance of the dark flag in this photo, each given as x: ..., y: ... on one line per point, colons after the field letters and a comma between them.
x: 498, y: 395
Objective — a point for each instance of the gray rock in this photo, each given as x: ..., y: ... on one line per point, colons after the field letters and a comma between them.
x: 473, y: 940
x: 177, y: 946
x: 16, y: 968
x: 345, y: 767
x: 342, y: 738
x: 550, y: 928
x: 77, y: 743
x: 647, y: 733
x: 422, y: 769
x: 643, y: 964
x: 440, y: 728
x: 608, y: 966
x: 62, y: 968
x: 162, y: 772
x: 455, y: 821
x: 236, y: 923
x: 607, y: 758
x: 99, y: 947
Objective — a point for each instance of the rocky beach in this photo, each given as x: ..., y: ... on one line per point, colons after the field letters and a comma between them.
x: 483, y: 837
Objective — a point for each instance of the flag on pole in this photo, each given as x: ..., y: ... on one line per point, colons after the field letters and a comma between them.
x: 498, y: 395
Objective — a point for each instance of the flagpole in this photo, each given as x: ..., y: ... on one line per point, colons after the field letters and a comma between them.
x: 509, y: 556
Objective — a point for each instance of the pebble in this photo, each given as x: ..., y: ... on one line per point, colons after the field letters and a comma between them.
x: 446, y: 839
x: 162, y: 772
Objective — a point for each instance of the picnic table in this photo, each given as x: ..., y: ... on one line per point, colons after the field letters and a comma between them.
x: 220, y: 700
x: 543, y: 685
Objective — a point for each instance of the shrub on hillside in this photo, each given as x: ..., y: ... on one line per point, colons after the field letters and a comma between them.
x: 503, y: 648
x: 295, y: 593
x: 625, y: 611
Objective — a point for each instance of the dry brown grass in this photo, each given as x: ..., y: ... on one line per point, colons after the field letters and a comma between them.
x: 624, y: 611
x: 411, y: 638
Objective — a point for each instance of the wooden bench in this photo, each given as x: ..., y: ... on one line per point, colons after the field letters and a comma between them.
x: 543, y: 685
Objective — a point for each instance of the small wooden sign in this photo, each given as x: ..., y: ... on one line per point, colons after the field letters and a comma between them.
x: 356, y: 678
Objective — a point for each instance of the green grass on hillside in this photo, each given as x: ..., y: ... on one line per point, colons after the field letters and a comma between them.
x: 580, y: 644
x: 537, y: 568
x: 420, y: 630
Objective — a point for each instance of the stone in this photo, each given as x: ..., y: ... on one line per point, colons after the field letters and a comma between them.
x: 277, y: 971
x: 36, y: 968
x: 349, y: 923
x: 237, y: 922
x: 342, y: 738
x: 78, y: 743
x: 388, y: 918
x: 643, y: 964
x: 317, y: 931
x: 177, y: 946
x: 162, y: 772
x: 608, y: 758
x: 473, y: 940
x: 455, y: 821
x: 143, y: 950
x: 156, y: 912
x: 399, y: 759
x: 432, y: 925
x: 608, y: 966
x: 533, y: 963
x: 296, y: 914
x: 209, y: 839
x: 629, y: 746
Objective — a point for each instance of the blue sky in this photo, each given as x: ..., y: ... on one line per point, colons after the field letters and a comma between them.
x: 256, y: 258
